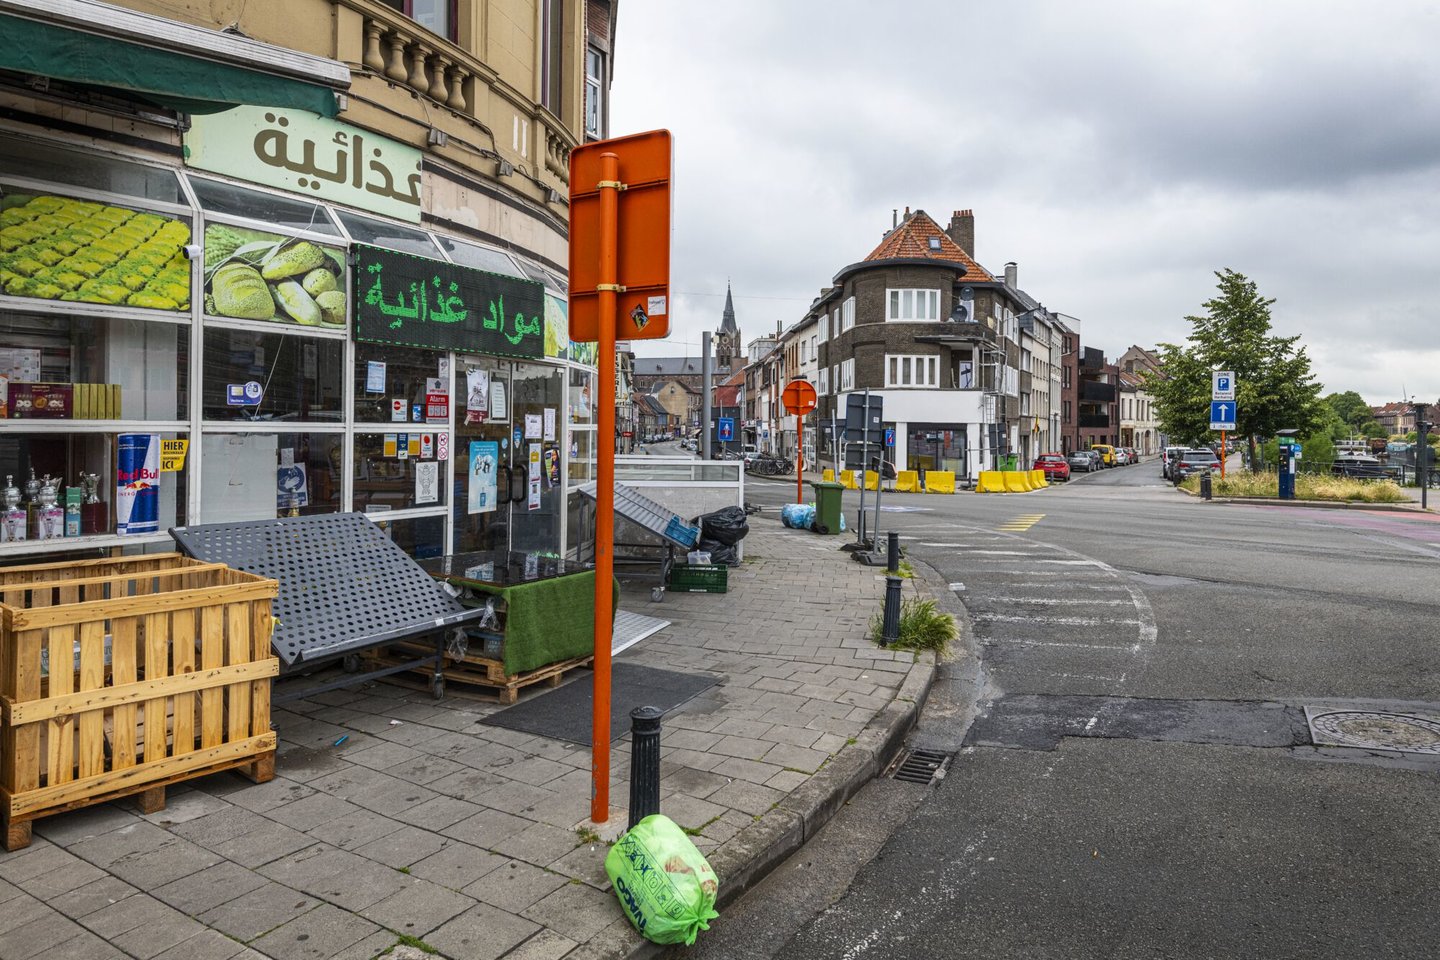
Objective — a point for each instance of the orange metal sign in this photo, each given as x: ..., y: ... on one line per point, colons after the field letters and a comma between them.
x: 643, y: 250
x: 798, y: 397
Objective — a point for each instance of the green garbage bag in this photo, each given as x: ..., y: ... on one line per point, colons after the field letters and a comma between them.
x: 663, y: 883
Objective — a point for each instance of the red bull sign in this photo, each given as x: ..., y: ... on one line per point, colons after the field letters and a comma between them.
x: 137, y: 488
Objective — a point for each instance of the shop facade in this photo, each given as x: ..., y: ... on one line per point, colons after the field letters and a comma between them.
x: 182, y: 347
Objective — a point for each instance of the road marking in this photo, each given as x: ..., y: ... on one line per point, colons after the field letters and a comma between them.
x: 1064, y: 621
x: 957, y: 586
x: 996, y: 641
x: 1022, y: 523
x: 940, y: 544
x: 1055, y: 600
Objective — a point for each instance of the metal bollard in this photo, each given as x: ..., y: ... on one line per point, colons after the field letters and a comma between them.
x: 1205, y: 485
x: 644, y: 763
x: 892, y: 564
x: 890, y: 627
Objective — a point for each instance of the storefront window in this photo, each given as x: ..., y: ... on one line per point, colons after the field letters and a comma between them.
x: 386, y: 480
x: 387, y: 376
x: 390, y: 235
x: 483, y: 258
x: 287, y: 213
x: 91, y: 171
x: 84, y: 466
x: 935, y: 446
x: 420, y: 537
x: 238, y: 481
x: 536, y: 417
x: 90, y: 368
x: 295, y: 378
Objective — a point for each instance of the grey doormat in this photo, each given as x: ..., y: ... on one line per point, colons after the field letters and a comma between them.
x: 564, y: 713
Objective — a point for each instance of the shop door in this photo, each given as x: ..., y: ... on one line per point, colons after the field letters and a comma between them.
x: 484, y: 456
x: 539, y: 423
x: 935, y: 446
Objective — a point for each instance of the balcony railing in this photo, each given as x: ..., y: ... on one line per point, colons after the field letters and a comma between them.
x: 1094, y: 420
x: 1093, y: 391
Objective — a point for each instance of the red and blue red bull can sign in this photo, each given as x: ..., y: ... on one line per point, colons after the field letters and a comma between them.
x: 137, y: 490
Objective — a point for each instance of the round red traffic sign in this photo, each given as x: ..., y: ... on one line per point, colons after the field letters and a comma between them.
x: 798, y: 397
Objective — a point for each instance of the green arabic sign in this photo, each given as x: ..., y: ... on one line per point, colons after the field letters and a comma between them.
x: 418, y: 302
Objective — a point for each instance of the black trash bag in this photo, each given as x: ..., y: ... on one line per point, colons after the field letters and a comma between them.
x: 723, y: 553
x: 727, y: 526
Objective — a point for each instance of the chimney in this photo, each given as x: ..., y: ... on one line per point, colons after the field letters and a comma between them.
x: 894, y: 217
x: 962, y: 230
x: 1012, y: 275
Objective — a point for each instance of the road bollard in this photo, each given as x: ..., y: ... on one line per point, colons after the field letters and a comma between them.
x: 890, y: 627
x: 892, y: 564
x: 644, y: 763
x: 1205, y: 485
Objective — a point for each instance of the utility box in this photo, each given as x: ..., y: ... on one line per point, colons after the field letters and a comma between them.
x: 828, y: 506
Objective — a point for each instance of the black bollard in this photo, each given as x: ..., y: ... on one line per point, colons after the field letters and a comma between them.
x: 644, y: 763
x: 893, y: 560
x: 1205, y: 484
x: 890, y: 628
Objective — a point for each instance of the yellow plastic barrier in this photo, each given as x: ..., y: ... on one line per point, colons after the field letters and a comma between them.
x: 872, y: 480
x: 939, y: 481
x: 907, y: 481
x: 1037, y: 479
x: 1016, y: 482
x: 847, y: 479
x: 828, y: 476
x: 990, y: 481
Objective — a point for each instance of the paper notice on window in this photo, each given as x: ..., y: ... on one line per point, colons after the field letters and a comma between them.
x: 477, y: 396
x: 499, y: 409
x: 427, y: 481
x: 549, y: 425
x: 532, y: 426
x: 534, y: 475
x: 374, y: 377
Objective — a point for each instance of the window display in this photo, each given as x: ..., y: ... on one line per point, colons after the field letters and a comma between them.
x: 400, y: 471
x: 236, y: 485
x: 272, y: 376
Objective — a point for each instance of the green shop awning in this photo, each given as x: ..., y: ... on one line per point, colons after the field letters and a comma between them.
x: 179, y: 80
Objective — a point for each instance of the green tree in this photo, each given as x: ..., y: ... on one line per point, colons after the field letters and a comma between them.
x: 1372, y: 430
x: 1351, y: 408
x: 1275, y: 389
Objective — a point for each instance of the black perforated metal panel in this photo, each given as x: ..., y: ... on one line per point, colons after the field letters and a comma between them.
x: 344, y: 585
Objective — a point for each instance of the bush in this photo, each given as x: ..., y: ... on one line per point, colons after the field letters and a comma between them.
x: 1307, y: 487
x: 923, y: 626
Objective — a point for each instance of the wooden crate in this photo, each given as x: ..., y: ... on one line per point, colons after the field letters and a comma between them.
x: 476, y: 674
x: 119, y: 677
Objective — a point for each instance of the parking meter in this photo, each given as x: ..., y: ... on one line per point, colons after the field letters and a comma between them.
x: 1287, y: 472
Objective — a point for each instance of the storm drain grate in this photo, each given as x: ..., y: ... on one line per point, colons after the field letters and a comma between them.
x: 1371, y: 730
x: 921, y: 766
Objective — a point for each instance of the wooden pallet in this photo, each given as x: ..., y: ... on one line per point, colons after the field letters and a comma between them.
x: 479, y: 677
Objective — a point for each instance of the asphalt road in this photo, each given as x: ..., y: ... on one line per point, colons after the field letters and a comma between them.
x: 1133, y: 774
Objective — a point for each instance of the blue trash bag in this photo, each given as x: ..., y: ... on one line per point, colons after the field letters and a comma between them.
x: 798, y: 516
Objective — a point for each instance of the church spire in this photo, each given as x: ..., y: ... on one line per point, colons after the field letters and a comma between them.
x: 727, y: 319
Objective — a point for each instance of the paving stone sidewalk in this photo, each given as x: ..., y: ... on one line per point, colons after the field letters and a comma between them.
x: 425, y: 831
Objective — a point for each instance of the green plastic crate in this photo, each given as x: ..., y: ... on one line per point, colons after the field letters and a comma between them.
x: 699, y: 577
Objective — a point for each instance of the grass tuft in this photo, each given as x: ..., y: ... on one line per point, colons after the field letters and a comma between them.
x: 1308, y: 486
x: 923, y: 626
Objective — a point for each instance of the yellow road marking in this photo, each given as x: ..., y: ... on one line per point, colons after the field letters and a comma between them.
x: 1022, y: 523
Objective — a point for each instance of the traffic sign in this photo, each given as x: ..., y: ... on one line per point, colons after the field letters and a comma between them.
x: 642, y: 244
x: 889, y: 436
x: 1222, y: 385
x: 799, y: 397
x: 725, y: 429
x: 1222, y: 415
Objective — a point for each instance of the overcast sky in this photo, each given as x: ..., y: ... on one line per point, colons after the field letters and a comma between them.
x: 1119, y: 152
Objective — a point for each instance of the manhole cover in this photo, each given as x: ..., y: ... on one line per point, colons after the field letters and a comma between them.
x: 1401, y: 732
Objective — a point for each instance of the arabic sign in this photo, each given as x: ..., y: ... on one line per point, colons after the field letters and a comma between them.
x: 418, y: 302
x: 258, y: 275
x: 294, y: 150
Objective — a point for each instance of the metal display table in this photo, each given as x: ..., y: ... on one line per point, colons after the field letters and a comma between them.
x: 647, y: 561
x: 345, y: 587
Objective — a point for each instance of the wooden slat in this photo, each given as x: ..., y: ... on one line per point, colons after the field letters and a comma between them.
x: 121, y: 695
x: 261, y: 624
x: 60, y: 735
x: 212, y: 656
x: 157, y: 667
x: 21, y: 747
x: 37, y: 801
x: 257, y: 589
x: 124, y: 648
x: 237, y: 636
x: 182, y: 652
x: 65, y: 568
x: 92, y: 677
x: 163, y: 577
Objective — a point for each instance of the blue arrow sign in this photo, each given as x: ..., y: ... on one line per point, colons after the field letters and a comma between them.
x: 1222, y: 415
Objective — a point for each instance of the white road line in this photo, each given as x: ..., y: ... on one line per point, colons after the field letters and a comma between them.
x: 957, y: 586
x: 1048, y: 601
x: 1064, y: 621
x: 996, y: 641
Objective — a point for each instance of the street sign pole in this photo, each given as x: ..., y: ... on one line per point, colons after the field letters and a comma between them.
x: 1224, y: 452
x: 609, y: 187
x: 799, y: 458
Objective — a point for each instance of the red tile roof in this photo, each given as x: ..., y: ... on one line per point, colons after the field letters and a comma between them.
x: 912, y: 239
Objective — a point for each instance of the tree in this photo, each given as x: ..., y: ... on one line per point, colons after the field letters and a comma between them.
x: 1275, y: 389
x: 1373, y: 431
x: 1351, y: 408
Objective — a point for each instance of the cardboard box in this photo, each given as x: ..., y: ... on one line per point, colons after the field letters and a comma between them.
x: 42, y: 401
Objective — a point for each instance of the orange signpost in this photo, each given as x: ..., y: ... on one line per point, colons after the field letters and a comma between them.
x: 619, y: 289
x: 799, y: 399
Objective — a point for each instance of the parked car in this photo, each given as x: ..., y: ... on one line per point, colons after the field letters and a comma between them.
x: 1134, y: 454
x: 1079, y: 460
x: 1194, y: 461
x: 1122, y: 457
x: 1054, y: 466
x: 1107, y: 453
x: 1167, y: 459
